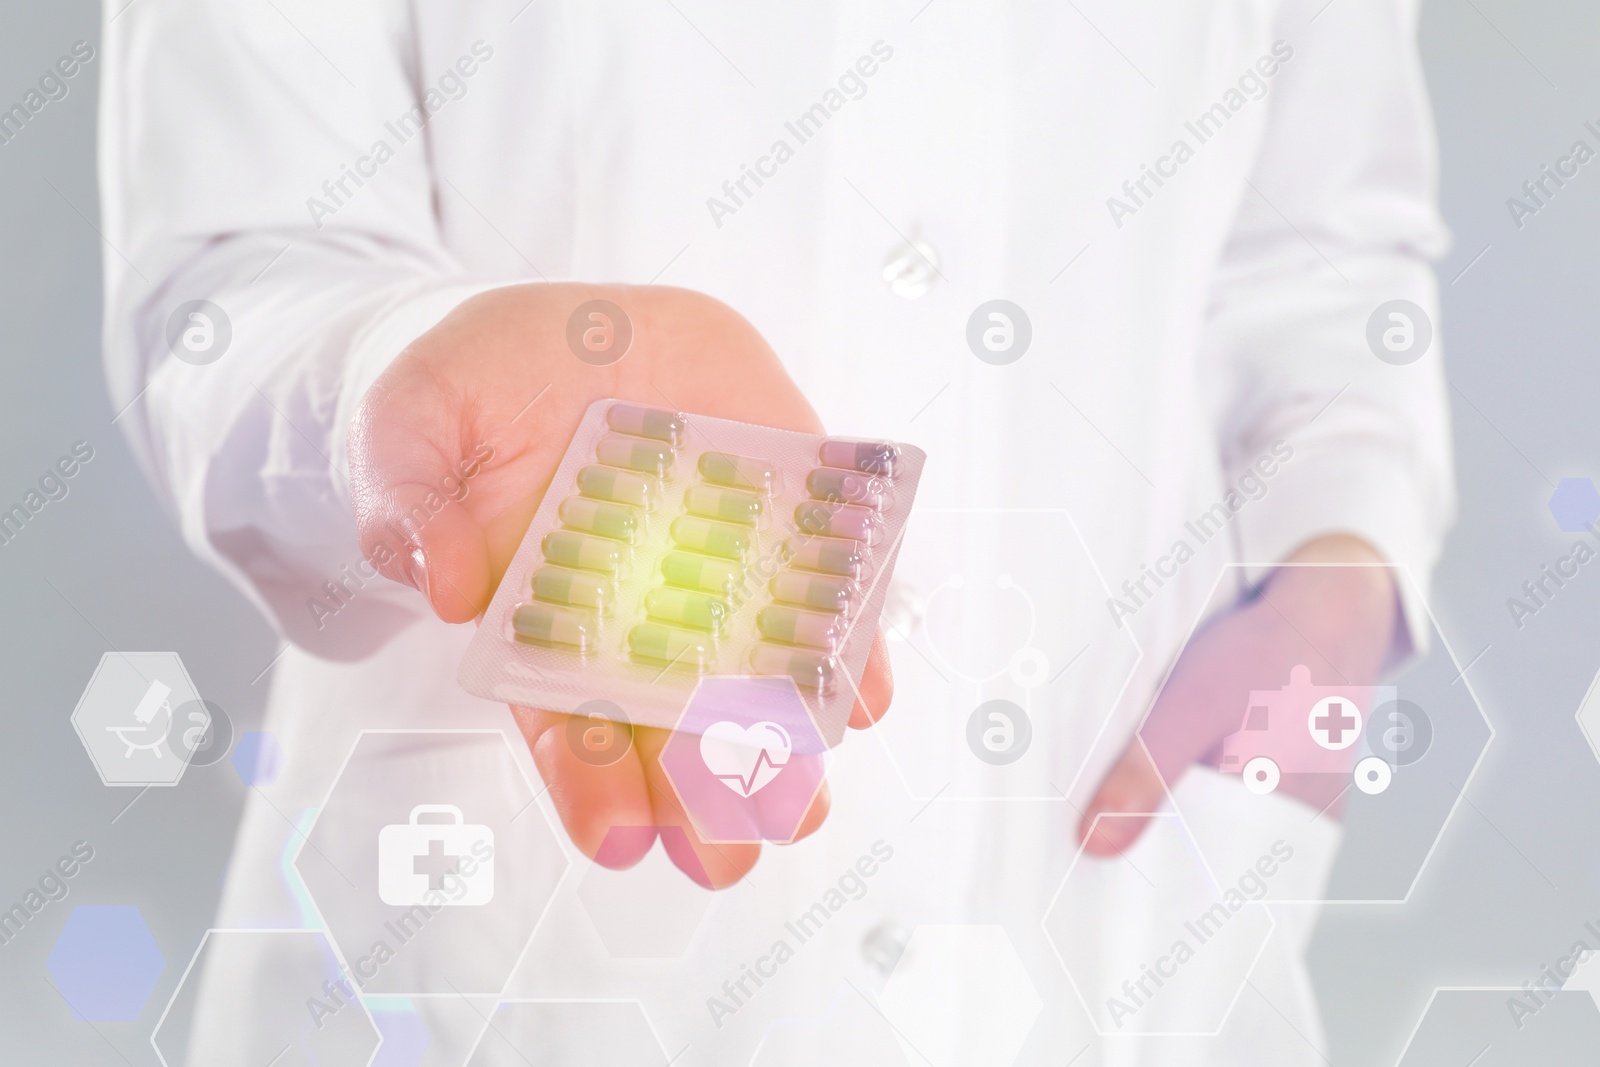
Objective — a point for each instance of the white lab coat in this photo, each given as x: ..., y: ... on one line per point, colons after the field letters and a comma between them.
x: 1179, y: 329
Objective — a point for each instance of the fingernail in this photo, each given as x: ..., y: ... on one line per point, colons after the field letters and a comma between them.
x: 1104, y: 831
x: 416, y: 565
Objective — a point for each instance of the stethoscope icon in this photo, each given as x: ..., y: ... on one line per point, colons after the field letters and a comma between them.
x: 1028, y: 667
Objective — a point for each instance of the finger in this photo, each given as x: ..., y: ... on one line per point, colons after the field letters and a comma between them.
x: 714, y: 866
x: 446, y: 556
x: 777, y: 814
x: 816, y: 815
x: 877, y: 687
x: 592, y: 800
x: 416, y: 531
x: 1131, y: 787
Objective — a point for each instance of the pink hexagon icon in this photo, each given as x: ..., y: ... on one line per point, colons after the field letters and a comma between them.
x: 745, y: 759
x: 1385, y: 751
x: 1303, y: 729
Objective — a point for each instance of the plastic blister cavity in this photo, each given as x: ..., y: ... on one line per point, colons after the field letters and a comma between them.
x: 671, y: 546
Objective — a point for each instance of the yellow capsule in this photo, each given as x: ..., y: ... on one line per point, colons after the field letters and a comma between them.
x: 728, y: 505
x: 634, y: 454
x: 580, y: 589
x: 688, y: 607
x: 811, y: 669
x: 683, y: 650
x: 660, y: 423
x: 713, y: 538
x: 839, y: 520
x: 830, y: 555
x: 555, y: 626
x: 792, y: 626
x: 739, y: 472
x: 847, y: 487
x: 868, y: 457
x: 820, y: 592
x: 619, y: 486
x: 569, y: 548
x: 620, y: 522
x: 691, y: 570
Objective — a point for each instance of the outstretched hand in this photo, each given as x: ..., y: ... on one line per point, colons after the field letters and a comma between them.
x: 495, y: 386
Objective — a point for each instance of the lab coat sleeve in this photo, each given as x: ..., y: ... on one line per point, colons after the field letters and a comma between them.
x: 271, y: 158
x: 1337, y: 218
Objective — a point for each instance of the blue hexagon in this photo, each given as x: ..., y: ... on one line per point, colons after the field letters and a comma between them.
x: 1575, y: 504
x: 105, y: 963
x: 257, y: 758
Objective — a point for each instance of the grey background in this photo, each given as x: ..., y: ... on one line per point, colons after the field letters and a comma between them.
x: 1509, y: 886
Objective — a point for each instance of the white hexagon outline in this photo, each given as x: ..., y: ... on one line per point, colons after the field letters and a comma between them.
x: 1111, y: 709
x: 593, y: 868
x: 183, y: 764
x: 1205, y: 864
x: 182, y: 981
x: 558, y: 834
x: 1461, y: 676
x: 1427, y: 1008
x: 488, y: 1020
x: 821, y: 755
x: 1592, y: 693
x: 900, y: 1038
x: 816, y: 1020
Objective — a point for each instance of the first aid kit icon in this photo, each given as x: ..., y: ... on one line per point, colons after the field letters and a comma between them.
x: 436, y: 863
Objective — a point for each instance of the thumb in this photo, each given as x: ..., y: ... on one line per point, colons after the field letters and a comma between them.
x: 1118, y: 814
x: 423, y: 538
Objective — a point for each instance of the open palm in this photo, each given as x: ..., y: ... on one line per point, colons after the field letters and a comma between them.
x: 495, y: 389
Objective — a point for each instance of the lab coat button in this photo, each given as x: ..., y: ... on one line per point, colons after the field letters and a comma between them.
x: 883, y: 944
x: 911, y: 269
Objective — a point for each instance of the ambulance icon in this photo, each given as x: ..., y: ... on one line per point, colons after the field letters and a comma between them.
x: 1306, y: 729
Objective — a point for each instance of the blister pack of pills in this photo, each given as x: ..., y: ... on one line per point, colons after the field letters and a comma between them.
x: 672, y: 546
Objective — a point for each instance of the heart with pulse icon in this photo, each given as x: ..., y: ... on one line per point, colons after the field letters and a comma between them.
x: 745, y: 758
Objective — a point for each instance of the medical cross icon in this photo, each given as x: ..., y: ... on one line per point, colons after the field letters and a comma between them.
x: 435, y: 864
x: 1336, y: 719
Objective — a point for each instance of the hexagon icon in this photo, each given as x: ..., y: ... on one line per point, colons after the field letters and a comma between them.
x: 960, y: 994
x: 430, y: 862
x: 612, y: 898
x: 1180, y: 969
x: 257, y: 758
x: 105, y: 963
x: 851, y: 1031
x: 1303, y: 748
x: 745, y: 759
x: 990, y: 645
x: 1489, y: 1027
x: 265, y: 996
x: 125, y: 718
x: 1575, y: 504
x: 520, y: 1032
x: 1589, y: 715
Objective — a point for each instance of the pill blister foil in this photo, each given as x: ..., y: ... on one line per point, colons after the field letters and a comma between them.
x: 499, y: 667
